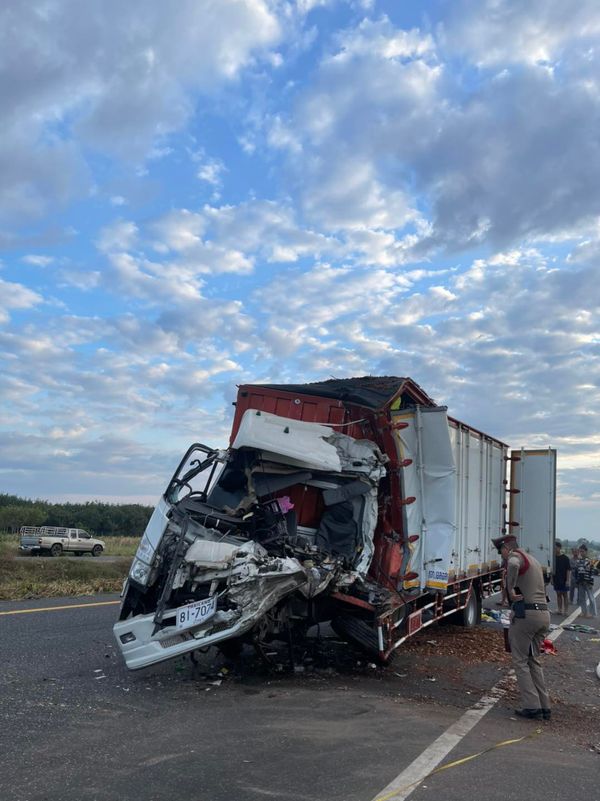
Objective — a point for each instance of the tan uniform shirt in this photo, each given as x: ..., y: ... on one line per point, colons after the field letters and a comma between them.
x: 530, y: 583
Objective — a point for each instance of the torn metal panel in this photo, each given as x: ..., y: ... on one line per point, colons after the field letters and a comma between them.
x: 299, y: 442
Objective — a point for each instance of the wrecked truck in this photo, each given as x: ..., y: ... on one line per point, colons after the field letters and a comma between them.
x: 356, y: 501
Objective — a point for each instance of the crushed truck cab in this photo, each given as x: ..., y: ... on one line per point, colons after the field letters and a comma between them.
x: 342, y: 501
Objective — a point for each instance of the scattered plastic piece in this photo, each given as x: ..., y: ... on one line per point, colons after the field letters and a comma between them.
x: 285, y: 504
x: 580, y: 627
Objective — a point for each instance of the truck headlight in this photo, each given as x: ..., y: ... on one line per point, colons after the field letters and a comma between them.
x: 145, y: 550
x: 140, y: 571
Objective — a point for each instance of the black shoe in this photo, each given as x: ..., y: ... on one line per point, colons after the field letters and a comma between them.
x: 532, y: 714
x: 546, y: 714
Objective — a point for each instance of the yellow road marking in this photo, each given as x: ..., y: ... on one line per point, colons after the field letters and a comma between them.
x: 53, y: 608
x: 456, y: 763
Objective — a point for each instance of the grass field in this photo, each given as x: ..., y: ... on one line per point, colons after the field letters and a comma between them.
x: 47, y: 577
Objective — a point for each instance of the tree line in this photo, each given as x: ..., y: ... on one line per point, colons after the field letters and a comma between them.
x: 100, y: 519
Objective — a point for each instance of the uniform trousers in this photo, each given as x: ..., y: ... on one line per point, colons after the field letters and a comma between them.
x: 525, y: 637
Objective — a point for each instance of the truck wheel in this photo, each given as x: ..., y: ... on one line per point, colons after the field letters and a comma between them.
x: 96, y: 550
x: 471, y: 615
x: 56, y: 549
x: 358, y: 632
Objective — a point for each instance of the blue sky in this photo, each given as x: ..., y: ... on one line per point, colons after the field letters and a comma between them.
x: 202, y: 193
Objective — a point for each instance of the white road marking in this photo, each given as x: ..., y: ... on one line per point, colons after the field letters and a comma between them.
x: 406, y: 782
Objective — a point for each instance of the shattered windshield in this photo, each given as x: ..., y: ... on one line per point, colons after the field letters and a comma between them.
x: 196, y: 473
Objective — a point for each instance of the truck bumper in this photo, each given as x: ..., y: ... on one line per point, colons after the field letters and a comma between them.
x: 140, y: 649
x: 30, y: 549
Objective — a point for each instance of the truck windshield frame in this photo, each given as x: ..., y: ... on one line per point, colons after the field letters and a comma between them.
x: 181, y: 477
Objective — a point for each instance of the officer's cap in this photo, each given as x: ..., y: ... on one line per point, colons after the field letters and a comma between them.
x: 507, y: 539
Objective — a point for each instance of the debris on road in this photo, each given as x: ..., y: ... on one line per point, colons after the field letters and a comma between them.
x: 580, y: 627
x: 548, y: 647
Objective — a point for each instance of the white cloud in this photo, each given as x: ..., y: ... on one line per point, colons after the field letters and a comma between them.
x: 119, y: 236
x: 536, y: 32
x: 16, y: 296
x: 385, y: 129
x: 118, y: 88
x: 37, y: 260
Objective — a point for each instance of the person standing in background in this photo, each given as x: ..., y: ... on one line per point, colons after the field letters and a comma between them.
x: 573, y: 584
x: 561, y: 577
x: 585, y: 583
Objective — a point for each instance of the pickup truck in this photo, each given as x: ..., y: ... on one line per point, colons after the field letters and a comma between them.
x: 57, y: 540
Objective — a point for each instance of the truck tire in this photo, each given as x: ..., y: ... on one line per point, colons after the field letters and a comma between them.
x: 56, y: 549
x: 358, y: 632
x: 470, y: 616
x: 96, y: 550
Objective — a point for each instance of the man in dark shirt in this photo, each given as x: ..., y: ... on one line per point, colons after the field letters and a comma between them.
x: 561, y: 578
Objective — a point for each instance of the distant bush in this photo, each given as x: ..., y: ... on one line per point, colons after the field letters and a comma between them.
x: 100, y: 519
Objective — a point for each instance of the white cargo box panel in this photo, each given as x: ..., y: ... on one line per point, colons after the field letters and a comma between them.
x: 408, y: 453
x: 532, y: 517
x: 431, y: 480
x: 457, y: 477
x: 480, y: 498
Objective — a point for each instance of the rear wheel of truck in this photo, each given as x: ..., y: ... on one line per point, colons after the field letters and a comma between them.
x: 471, y: 615
x: 96, y: 550
x: 56, y: 549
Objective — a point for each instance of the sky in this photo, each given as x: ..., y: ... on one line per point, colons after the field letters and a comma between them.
x: 203, y: 193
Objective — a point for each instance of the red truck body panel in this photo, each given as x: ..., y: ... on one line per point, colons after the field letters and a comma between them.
x: 357, y: 420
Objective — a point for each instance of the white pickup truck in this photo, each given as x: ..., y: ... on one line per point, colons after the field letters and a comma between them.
x: 57, y: 540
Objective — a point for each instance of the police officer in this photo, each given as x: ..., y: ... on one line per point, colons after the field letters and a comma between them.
x: 530, y: 623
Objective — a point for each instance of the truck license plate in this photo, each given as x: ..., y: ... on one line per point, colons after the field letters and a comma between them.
x: 198, y: 612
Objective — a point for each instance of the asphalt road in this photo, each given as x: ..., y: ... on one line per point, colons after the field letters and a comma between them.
x: 75, y: 725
